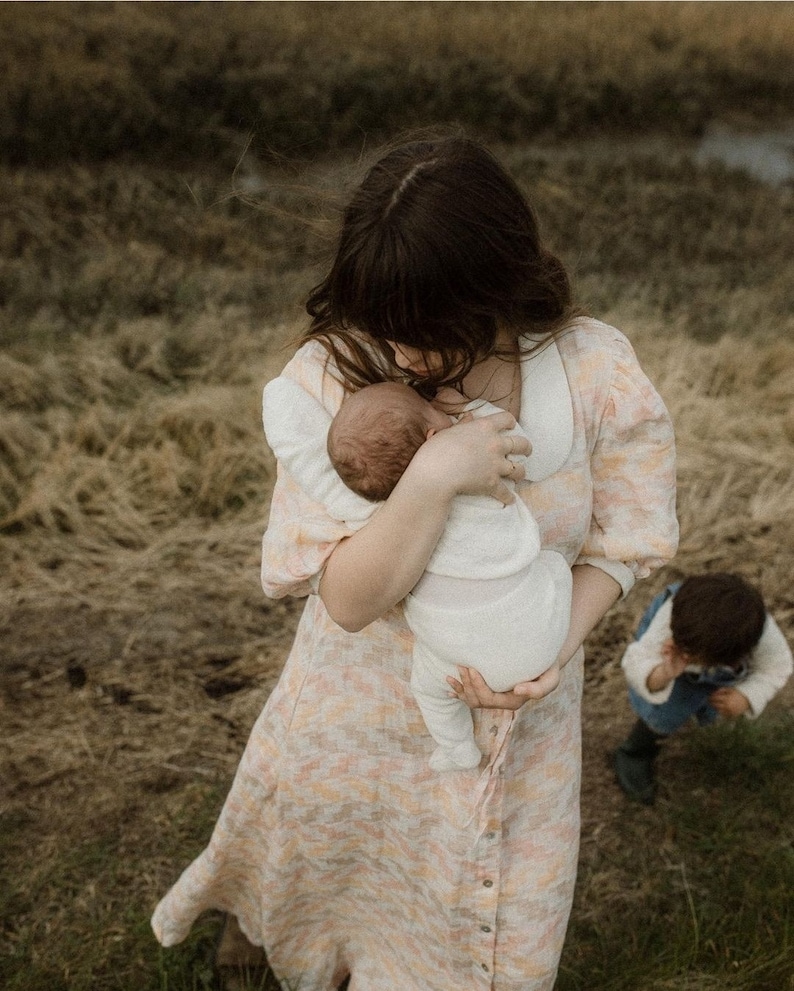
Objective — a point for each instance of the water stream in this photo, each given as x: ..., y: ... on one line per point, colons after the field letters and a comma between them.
x: 766, y: 155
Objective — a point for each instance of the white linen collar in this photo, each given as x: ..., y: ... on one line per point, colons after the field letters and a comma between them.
x: 546, y: 411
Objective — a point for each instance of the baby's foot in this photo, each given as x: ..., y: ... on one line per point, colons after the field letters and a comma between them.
x: 465, y: 755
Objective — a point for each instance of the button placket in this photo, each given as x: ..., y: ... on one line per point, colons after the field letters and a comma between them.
x: 486, y: 851
x: 484, y: 937
x: 488, y: 859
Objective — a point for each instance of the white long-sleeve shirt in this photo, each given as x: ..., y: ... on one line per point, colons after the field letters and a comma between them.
x: 769, y: 664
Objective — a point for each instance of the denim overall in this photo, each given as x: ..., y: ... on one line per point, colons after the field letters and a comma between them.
x: 691, y: 690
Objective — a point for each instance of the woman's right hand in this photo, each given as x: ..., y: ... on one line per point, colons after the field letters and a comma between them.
x: 472, y: 457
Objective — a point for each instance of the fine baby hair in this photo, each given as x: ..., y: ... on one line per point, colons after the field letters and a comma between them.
x: 376, y: 433
x: 717, y: 618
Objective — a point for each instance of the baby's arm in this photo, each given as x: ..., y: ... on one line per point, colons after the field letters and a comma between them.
x: 296, y: 427
x: 450, y: 401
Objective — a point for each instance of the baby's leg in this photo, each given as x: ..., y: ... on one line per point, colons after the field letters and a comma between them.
x: 510, y: 629
x: 448, y: 720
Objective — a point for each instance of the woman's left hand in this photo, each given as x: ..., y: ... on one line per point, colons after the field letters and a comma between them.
x: 473, y: 690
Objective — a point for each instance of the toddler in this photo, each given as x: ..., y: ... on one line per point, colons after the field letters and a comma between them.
x: 705, y: 647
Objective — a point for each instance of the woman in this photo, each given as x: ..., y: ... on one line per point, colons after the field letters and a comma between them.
x: 338, y: 849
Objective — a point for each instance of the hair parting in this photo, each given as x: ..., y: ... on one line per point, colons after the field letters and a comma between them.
x: 439, y: 251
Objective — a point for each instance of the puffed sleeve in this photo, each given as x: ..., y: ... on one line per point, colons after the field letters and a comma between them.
x: 299, y: 539
x: 633, y: 528
x: 302, y: 533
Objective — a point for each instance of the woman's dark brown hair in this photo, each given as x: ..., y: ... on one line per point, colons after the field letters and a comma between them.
x: 438, y: 250
x: 718, y: 618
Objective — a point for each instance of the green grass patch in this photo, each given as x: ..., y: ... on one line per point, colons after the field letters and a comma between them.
x: 707, y: 890
x: 75, y: 917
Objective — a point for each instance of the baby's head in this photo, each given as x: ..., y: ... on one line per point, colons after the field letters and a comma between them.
x: 717, y: 619
x: 376, y: 432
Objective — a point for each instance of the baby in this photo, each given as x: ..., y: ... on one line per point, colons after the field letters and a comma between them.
x: 490, y: 598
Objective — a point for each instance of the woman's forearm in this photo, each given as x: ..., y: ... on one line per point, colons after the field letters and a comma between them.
x: 371, y: 571
x: 594, y: 593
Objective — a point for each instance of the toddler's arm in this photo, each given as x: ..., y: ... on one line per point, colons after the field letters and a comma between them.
x: 729, y: 702
x: 644, y: 656
x: 672, y: 665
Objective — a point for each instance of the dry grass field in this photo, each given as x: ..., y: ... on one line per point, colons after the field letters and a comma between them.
x: 92, y: 80
x: 144, y: 302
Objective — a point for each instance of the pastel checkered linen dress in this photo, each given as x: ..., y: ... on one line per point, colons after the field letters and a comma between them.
x: 338, y: 849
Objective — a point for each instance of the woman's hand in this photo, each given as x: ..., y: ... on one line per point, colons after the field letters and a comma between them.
x: 376, y: 567
x: 472, y: 457
x: 473, y: 690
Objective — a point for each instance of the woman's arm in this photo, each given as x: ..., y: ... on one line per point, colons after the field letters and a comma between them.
x: 594, y: 592
x: 374, y: 569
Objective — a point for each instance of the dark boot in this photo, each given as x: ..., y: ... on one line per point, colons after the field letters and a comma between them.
x: 634, y: 763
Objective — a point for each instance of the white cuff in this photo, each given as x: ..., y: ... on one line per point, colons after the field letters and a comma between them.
x: 622, y: 574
